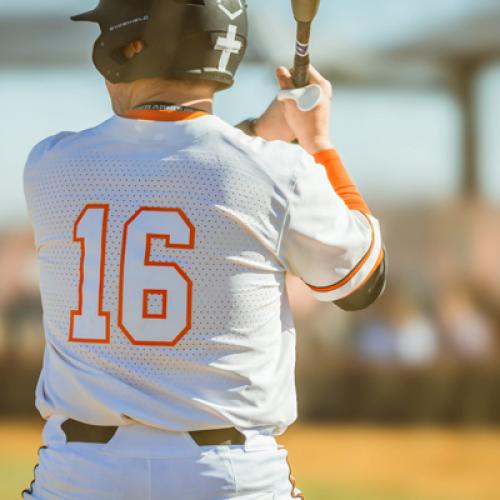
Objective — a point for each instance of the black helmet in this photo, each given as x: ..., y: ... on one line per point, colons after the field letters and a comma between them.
x: 184, y: 39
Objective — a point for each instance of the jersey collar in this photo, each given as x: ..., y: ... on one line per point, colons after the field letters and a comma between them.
x: 163, y: 115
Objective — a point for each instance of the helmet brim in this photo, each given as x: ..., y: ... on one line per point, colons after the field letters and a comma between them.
x: 91, y: 15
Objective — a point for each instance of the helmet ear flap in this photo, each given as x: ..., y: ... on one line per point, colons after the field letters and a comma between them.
x: 109, y: 63
x: 118, y: 55
x: 114, y: 65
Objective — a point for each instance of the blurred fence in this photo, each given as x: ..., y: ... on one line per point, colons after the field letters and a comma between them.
x: 450, y: 393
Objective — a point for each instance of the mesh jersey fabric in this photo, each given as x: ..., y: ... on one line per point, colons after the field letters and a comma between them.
x: 259, y: 209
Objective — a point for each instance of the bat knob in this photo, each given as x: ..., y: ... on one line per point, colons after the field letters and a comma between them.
x: 307, y: 98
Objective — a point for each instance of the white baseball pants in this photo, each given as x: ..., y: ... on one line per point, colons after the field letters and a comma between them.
x: 142, y: 463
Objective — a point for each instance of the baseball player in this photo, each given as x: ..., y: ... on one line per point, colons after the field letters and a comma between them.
x: 164, y: 236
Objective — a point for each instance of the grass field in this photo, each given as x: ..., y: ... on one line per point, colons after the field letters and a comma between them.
x: 339, y: 463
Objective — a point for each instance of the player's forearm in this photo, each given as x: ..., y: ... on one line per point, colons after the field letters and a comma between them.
x: 248, y: 126
x: 345, y: 187
x: 341, y: 181
x: 271, y: 126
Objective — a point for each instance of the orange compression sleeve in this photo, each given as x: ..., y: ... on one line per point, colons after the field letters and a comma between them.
x: 341, y: 180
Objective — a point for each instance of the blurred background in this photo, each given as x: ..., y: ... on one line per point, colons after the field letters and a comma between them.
x: 401, y: 401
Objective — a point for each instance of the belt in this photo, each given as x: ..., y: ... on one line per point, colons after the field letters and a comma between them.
x: 78, y: 432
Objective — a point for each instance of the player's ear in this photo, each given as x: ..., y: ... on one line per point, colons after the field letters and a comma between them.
x: 133, y: 49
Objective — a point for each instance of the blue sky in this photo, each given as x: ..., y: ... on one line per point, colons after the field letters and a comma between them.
x: 401, y: 146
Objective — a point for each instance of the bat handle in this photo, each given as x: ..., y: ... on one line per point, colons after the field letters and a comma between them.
x: 302, y: 61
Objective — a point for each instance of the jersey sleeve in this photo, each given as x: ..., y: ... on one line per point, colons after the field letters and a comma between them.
x: 330, y: 239
x: 39, y: 151
x: 33, y: 170
x: 43, y: 147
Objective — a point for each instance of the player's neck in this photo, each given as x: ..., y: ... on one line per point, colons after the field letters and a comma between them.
x: 125, y: 97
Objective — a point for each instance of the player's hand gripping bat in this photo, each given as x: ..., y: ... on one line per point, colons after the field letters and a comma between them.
x: 306, y: 96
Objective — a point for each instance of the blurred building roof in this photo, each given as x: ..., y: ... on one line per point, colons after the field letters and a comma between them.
x: 47, y: 40
x: 474, y: 39
x: 346, y: 31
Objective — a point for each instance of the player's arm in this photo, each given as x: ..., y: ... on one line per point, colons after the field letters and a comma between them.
x: 373, y: 284
x: 331, y: 239
x: 367, y: 294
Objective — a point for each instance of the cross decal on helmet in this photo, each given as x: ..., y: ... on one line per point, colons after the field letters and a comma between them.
x: 228, y: 45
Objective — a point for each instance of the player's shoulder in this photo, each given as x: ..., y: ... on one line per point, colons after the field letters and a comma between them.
x: 44, y: 147
x: 275, y: 151
x: 280, y: 160
x: 57, y: 144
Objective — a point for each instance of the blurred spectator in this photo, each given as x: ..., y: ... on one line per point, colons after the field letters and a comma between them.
x: 469, y: 333
x: 18, y: 267
x: 400, y: 332
x: 20, y: 308
x: 375, y: 341
x: 417, y: 338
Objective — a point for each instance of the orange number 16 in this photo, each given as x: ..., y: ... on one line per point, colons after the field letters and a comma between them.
x: 142, y: 280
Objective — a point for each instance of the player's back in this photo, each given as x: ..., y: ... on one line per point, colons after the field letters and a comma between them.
x: 161, y: 277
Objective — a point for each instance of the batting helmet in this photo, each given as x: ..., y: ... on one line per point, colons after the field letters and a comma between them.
x: 184, y: 39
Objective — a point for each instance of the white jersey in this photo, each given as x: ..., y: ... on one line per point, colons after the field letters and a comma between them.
x: 163, y: 249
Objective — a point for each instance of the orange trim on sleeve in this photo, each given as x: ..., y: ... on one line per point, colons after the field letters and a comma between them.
x: 162, y: 115
x: 356, y: 269
x: 380, y: 258
x: 341, y: 180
